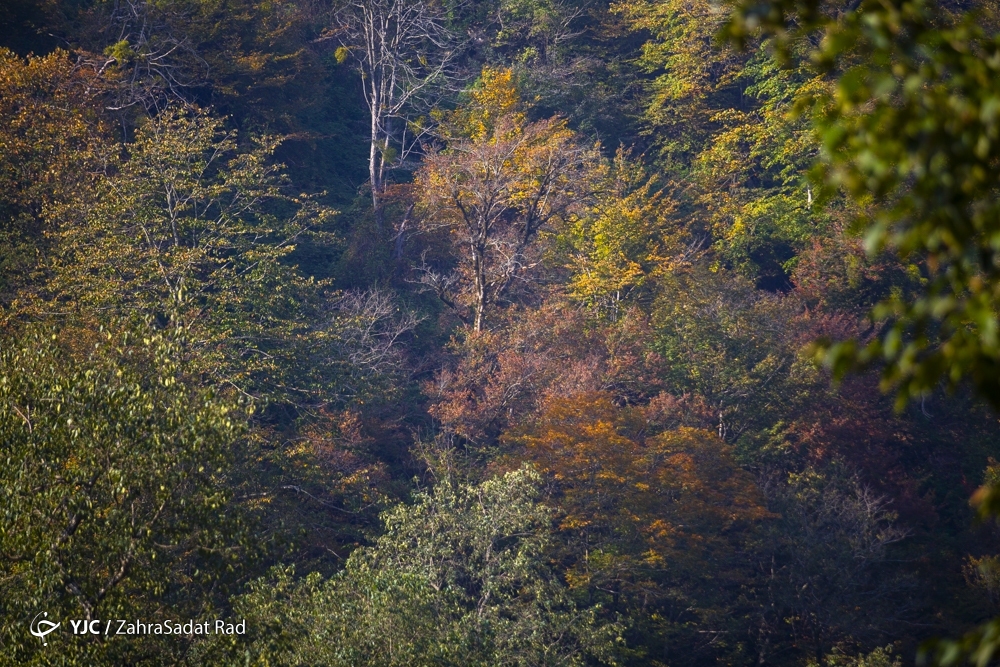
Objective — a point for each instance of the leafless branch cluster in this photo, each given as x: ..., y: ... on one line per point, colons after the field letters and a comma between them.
x: 830, y: 565
x: 154, y: 64
x: 867, y: 520
x: 443, y: 284
x: 405, y: 55
x: 558, y: 26
x: 371, y: 324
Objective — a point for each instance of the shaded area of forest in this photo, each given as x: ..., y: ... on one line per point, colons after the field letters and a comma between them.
x: 504, y: 332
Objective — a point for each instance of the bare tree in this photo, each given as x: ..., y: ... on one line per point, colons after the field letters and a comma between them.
x: 371, y: 324
x: 404, y: 52
x: 152, y: 61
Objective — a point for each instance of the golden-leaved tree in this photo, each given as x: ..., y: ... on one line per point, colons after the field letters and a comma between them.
x: 648, y: 520
x: 623, y: 239
x: 50, y: 148
x: 497, y: 185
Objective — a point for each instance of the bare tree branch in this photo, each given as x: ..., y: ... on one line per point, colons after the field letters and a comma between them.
x: 404, y: 53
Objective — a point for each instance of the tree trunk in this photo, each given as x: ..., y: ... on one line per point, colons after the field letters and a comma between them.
x: 480, y: 287
x: 374, y: 172
x: 401, y: 235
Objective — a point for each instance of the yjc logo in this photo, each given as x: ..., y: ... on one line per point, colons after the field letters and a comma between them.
x: 41, y: 628
x: 83, y: 627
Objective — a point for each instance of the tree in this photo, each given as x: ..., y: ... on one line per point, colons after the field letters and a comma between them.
x: 721, y: 119
x: 908, y: 135
x: 567, y: 58
x: 113, y: 489
x: 752, y: 174
x: 647, y: 520
x: 824, y: 569
x: 460, y: 577
x: 505, y: 375
x: 622, y: 239
x: 188, y: 229
x: 498, y: 183
x: 403, y: 50
x: 153, y: 60
x: 51, y: 144
x: 736, y: 346
x: 691, y: 77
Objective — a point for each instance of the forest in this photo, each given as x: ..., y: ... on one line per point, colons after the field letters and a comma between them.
x: 500, y: 332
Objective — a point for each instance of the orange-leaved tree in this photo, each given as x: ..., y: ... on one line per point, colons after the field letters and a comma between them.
x: 657, y: 520
x: 497, y: 184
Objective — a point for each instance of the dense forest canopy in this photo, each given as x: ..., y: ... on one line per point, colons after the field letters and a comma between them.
x: 500, y: 332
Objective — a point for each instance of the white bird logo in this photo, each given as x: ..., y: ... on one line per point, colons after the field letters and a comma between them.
x: 42, y: 627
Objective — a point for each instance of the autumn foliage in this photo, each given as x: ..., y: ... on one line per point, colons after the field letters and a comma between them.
x: 505, y: 332
x: 640, y: 510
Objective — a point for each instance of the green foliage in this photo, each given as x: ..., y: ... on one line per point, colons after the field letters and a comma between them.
x: 190, y: 230
x: 642, y: 328
x: 689, y: 73
x: 724, y: 127
x: 753, y: 175
x: 880, y: 657
x: 458, y: 578
x: 734, y: 346
x: 113, y: 484
x: 909, y: 134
